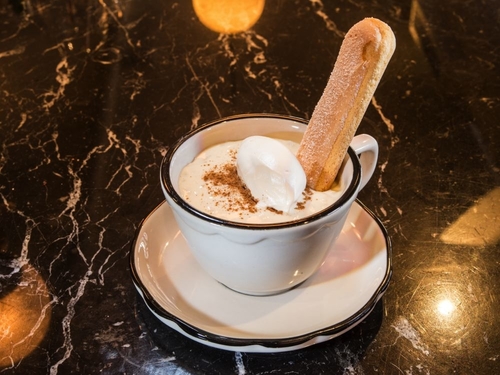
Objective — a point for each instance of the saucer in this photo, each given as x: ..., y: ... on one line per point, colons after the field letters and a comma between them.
x: 336, y: 298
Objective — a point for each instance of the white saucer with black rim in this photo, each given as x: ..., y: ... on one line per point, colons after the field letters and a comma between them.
x: 337, y: 297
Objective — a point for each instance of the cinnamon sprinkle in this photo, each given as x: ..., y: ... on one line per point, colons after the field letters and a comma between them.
x: 224, y: 181
x: 307, y: 196
x: 274, y: 210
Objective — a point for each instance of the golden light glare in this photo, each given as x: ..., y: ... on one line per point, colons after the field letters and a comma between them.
x: 445, y: 307
x: 228, y: 16
x: 25, y: 313
x: 479, y: 225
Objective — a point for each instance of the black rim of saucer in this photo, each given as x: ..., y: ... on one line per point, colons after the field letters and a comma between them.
x: 170, y: 190
x: 239, y: 344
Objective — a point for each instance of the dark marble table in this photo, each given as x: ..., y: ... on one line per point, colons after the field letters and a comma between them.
x: 93, y: 92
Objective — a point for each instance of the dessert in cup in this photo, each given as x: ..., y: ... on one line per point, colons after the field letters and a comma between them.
x: 261, y: 198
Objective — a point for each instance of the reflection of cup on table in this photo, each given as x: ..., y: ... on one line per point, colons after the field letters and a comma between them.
x: 262, y: 259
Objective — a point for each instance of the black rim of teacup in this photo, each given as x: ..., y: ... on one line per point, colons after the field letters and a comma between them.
x: 170, y: 190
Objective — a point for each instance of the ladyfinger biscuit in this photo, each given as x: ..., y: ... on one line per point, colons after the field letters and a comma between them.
x: 363, y: 57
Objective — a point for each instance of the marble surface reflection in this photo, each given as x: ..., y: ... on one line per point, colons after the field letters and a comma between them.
x: 93, y: 93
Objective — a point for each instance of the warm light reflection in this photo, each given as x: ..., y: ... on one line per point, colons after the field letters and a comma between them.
x: 479, y: 225
x: 24, y: 317
x: 445, y: 307
x: 228, y: 16
x: 450, y: 302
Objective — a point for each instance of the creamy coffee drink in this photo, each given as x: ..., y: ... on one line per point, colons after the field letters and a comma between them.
x: 211, y: 184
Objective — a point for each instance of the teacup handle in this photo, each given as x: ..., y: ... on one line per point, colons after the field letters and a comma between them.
x: 366, y: 147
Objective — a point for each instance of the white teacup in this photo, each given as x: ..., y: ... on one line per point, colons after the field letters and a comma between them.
x: 261, y: 259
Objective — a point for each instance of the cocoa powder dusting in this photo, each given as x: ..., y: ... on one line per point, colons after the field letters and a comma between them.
x: 306, y: 194
x: 223, y: 181
x: 272, y: 209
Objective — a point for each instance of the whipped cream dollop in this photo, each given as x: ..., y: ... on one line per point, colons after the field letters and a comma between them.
x: 271, y: 172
